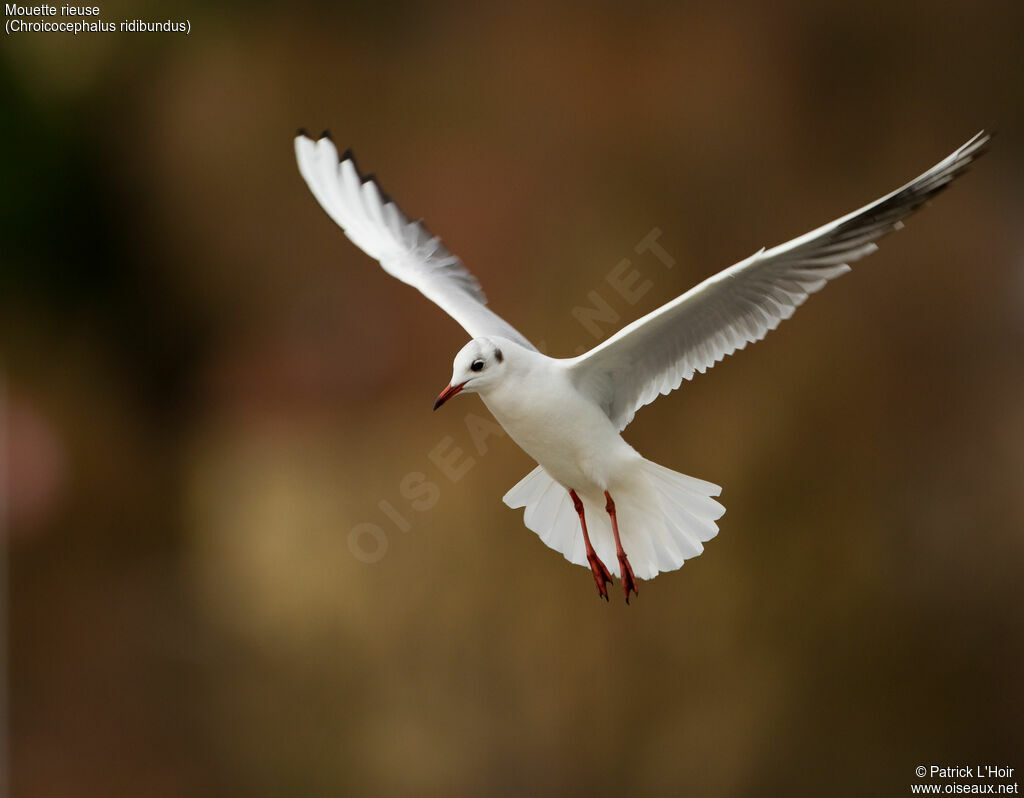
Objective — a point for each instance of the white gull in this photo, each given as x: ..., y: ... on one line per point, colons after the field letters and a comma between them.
x: 592, y: 497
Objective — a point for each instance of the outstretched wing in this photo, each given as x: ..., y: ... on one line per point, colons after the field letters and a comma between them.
x: 406, y: 250
x: 739, y: 305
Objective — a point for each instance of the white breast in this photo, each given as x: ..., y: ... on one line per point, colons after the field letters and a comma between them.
x: 560, y: 428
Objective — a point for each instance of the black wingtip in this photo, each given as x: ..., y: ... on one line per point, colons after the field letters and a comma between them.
x: 326, y: 135
x: 350, y: 156
x: 986, y: 139
x: 301, y: 133
x: 981, y: 141
x: 372, y: 178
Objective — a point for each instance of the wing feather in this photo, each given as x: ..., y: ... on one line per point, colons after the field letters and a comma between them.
x: 405, y: 249
x: 739, y: 305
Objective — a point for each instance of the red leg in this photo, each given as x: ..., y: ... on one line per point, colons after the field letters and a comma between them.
x: 601, y: 575
x: 625, y: 569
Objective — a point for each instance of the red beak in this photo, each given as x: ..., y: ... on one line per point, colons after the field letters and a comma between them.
x: 447, y: 394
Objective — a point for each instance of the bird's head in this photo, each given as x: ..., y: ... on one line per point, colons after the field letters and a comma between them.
x: 479, y: 365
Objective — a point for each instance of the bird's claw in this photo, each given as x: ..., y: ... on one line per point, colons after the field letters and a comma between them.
x: 628, y: 579
x: 602, y: 576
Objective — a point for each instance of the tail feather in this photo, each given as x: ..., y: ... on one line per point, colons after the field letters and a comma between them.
x: 548, y: 505
x: 681, y: 547
x: 696, y: 525
x: 664, y: 518
x: 565, y: 518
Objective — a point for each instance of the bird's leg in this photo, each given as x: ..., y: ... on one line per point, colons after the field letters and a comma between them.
x: 625, y: 569
x: 601, y: 575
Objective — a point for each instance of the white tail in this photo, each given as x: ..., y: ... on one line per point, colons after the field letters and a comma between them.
x: 664, y: 518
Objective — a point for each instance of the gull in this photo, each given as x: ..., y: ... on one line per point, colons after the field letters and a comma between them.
x: 592, y: 496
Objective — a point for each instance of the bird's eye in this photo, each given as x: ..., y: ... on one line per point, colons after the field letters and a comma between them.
x: 478, y: 365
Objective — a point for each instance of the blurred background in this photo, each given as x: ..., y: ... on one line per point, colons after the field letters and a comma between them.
x: 217, y: 583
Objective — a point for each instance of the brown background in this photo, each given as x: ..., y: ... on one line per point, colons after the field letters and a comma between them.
x: 208, y: 387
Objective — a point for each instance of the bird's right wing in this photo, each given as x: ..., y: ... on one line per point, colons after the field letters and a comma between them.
x: 739, y: 305
x: 406, y: 250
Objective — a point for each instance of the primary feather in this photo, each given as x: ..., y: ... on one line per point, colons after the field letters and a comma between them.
x: 406, y: 250
x: 739, y: 305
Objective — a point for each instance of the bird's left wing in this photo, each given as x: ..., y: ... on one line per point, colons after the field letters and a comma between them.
x: 406, y: 250
x: 739, y: 305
